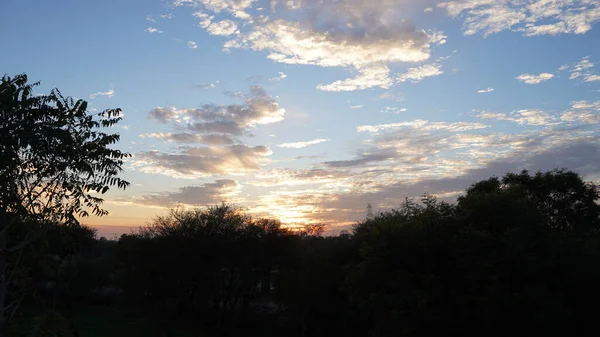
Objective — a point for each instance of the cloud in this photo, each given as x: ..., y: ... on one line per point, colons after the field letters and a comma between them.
x: 423, y: 125
x: 534, y: 79
x: 154, y: 30
x: 356, y: 106
x: 583, y: 71
x: 534, y: 17
x: 212, y: 125
x: 206, y: 85
x: 108, y: 94
x: 223, y: 28
x: 290, y: 177
x: 584, y: 112
x: 366, y: 37
x: 367, y: 78
x: 333, y: 206
x: 394, y: 110
x: 428, y: 10
x: 483, y: 91
x: 420, y: 73
x: 234, y: 119
x: 190, y: 138
x: 523, y: 117
x: 150, y: 18
x: 408, y: 163
x: 203, y: 195
x: 196, y: 162
x: 300, y: 145
x: 592, y: 78
x: 281, y: 76
x: 393, y: 96
x: 192, y: 45
x: 364, y: 158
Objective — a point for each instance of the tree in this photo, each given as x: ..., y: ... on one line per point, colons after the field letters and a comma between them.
x: 561, y: 199
x: 54, y: 163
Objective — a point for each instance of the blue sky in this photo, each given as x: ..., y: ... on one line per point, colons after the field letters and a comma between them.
x: 309, y: 110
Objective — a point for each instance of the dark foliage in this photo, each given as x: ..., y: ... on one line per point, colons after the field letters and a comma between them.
x: 514, y: 255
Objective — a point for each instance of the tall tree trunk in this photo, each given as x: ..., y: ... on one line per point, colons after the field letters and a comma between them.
x: 3, y: 285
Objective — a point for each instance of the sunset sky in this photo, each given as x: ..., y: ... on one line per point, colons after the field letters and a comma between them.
x: 308, y: 110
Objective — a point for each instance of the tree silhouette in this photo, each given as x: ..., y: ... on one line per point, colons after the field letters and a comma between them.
x: 54, y: 163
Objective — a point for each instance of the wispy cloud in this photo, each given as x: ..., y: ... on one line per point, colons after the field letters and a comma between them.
x: 317, y: 33
x: 154, y: 30
x: 534, y: 17
x: 584, y: 112
x: 367, y: 78
x: 483, y: 91
x: 394, y: 110
x: 280, y: 76
x: 206, y: 85
x: 192, y: 45
x: 214, y: 126
x: 109, y: 93
x: 202, y: 195
x: 300, y: 145
x: 534, y: 79
x: 197, y: 162
x: 523, y: 117
x: 393, y: 96
x: 420, y: 73
x: 424, y: 125
x: 583, y: 70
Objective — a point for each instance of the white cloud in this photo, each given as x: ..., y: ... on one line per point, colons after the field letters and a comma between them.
x: 281, y: 76
x: 224, y: 28
x: 483, y: 91
x: 394, y: 110
x: 212, y: 126
x: 234, y: 119
x: 584, y: 112
x: 523, y: 117
x: 534, y: 79
x: 206, y: 85
x: 428, y: 10
x: 167, y: 16
x: 192, y: 45
x: 532, y: 17
x: 419, y: 73
x: 367, y: 78
x: 423, y: 125
x: 300, y: 145
x: 583, y: 71
x: 356, y: 106
x: 364, y: 36
x: 108, y: 94
x: 592, y: 78
x: 191, y: 138
x: 150, y: 18
x: 393, y: 96
x: 153, y: 30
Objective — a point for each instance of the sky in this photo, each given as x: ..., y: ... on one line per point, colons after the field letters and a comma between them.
x: 309, y: 110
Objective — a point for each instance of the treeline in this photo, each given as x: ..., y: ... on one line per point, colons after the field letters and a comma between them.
x: 514, y: 255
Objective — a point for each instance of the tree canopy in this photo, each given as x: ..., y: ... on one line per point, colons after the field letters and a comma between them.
x: 55, y: 163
